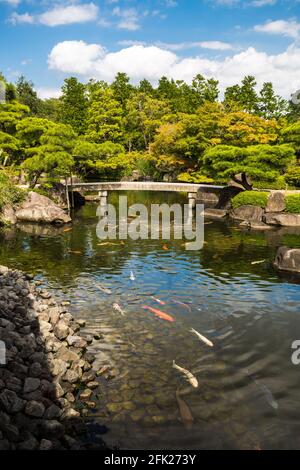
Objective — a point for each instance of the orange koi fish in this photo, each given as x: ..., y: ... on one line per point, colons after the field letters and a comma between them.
x: 159, y: 313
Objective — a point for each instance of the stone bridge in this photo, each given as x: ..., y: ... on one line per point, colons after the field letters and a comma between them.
x: 194, y: 191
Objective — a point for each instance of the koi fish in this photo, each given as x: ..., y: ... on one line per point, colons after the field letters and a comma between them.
x: 161, y: 302
x: 165, y: 248
x: 107, y: 244
x: 132, y: 276
x: 75, y: 252
x: 258, y: 262
x: 189, y: 376
x: 118, y: 309
x: 68, y: 229
x: 185, y: 412
x: 268, y: 394
x: 104, y: 289
x: 183, y: 304
x: 202, y: 338
x: 159, y: 314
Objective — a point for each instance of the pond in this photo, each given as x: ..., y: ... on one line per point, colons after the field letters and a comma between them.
x: 248, y: 393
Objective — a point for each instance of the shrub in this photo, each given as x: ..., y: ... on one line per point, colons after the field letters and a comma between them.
x: 292, y: 176
x: 292, y: 203
x: 250, y: 198
x: 9, y: 193
x: 279, y: 183
x: 194, y: 178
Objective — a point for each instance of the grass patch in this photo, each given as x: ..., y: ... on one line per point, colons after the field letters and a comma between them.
x: 292, y: 203
x: 9, y: 193
x: 250, y: 198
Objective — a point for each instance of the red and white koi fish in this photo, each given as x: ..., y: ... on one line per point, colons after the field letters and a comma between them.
x: 159, y: 313
x: 161, y: 302
x: 182, y: 303
x: 189, y: 376
x: 202, y: 338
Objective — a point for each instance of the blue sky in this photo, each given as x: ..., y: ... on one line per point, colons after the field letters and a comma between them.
x: 49, y: 40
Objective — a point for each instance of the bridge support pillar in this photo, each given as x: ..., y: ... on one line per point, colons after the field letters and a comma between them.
x: 103, y: 198
x: 192, y: 200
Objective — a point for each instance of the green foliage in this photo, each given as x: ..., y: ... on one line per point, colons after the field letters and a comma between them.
x: 279, y: 183
x: 104, y: 117
x: 291, y: 134
x: 292, y: 176
x: 292, y: 203
x: 250, y: 198
x: 74, y: 105
x: 54, y: 154
x: 27, y: 95
x: 264, y: 162
x: 195, y: 177
x: 9, y: 193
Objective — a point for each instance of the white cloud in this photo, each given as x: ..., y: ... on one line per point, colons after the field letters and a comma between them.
x: 13, y: 3
x: 61, y: 15
x: 263, y: 3
x: 25, y: 18
x: 46, y: 93
x: 152, y: 62
x: 288, y: 28
x: 129, y: 18
x: 181, y: 46
x: 76, y: 57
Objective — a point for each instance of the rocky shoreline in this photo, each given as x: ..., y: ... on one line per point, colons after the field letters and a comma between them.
x: 47, y: 379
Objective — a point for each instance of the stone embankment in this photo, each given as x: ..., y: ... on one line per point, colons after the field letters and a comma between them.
x: 47, y: 381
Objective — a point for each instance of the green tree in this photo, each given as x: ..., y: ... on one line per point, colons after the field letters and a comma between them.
x: 27, y: 95
x: 291, y: 134
x: 11, y: 113
x: 270, y: 105
x: 264, y: 162
x: 122, y: 88
x: 104, y: 117
x: 54, y: 155
x: 74, y: 105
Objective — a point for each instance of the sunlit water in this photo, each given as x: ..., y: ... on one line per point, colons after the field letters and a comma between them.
x: 248, y: 394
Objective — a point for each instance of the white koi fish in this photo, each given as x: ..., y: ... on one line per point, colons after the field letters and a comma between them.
x: 189, y: 376
x: 103, y: 289
x: 202, y: 338
x: 161, y: 302
x: 132, y: 276
x: 117, y: 308
x: 258, y: 262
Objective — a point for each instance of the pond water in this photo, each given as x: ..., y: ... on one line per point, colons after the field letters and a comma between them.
x: 248, y: 394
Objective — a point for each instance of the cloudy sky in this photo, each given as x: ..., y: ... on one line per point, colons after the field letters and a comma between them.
x: 48, y: 40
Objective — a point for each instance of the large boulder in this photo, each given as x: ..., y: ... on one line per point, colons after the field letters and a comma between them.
x: 8, y: 216
x: 282, y: 219
x: 276, y: 202
x: 248, y: 213
x: 40, y: 209
x: 288, y: 259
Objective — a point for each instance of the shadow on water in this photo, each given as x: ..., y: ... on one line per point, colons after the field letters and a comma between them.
x: 248, y: 387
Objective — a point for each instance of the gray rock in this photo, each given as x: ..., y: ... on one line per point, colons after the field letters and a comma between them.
x: 45, y: 445
x: 215, y: 213
x: 41, y: 209
x: 8, y: 215
x: 35, y: 409
x: 61, y: 330
x: 29, y: 444
x: 282, y: 219
x: 249, y: 213
x: 276, y: 202
x: 51, y: 429
x: 10, y: 402
x: 31, y: 384
x: 76, y: 342
x: 53, y: 412
x: 288, y: 259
